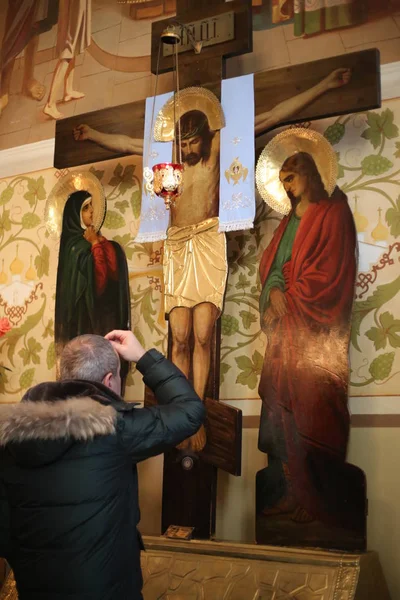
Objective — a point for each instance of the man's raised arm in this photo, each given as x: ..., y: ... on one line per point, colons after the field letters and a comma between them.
x: 180, y: 412
x: 288, y: 108
x: 111, y: 141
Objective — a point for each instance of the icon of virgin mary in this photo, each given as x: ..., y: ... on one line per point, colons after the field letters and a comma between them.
x: 92, y: 294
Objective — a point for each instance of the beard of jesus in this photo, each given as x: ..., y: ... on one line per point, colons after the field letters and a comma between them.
x: 196, y: 137
x: 191, y: 159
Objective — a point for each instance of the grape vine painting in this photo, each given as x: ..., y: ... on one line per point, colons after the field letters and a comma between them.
x: 368, y: 147
x: 368, y: 151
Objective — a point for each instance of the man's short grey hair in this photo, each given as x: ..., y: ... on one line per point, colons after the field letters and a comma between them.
x: 88, y: 357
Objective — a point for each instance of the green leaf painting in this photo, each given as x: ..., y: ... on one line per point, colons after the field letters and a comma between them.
x: 51, y: 356
x: 392, y: 217
x: 250, y: 369
x: 30, y: 220
x: 381, y: 367
x: 97, y: 173
x: 42, y: 262
x: 26, y: 378
x: 248, y: 318
x: 243, y: 282
x: 362, y: 308
x: 6, y: 195
x: 388, y: 333
x: 136, y: 201
x: 229, y: 324
x: 139, y: 336
x: 5, y: 223
x: 381, y: 126
x: 36, y: 191
x: 223, y: 370
x: 48, y: 331
x: 31, y: 352
x: 123, y: 178
x: 113, y: 220
x: 334, y: 133
x: 375, y: 165
x: 122, y: 205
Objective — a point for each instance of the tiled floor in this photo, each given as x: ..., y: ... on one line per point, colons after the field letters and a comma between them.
x: 118, y: 35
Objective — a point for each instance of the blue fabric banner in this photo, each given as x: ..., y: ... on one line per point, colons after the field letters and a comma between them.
x: 237, y: 184
x: 154, y: 217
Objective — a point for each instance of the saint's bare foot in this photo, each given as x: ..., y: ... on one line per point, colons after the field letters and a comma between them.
x: 34, y: 89
x: 52, y: 112
x: 300, y: 515
x: 73, y: 95
x: 198, y: 440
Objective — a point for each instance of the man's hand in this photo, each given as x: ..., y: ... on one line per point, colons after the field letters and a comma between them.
x: 278, y: 302
x: 337, y: 79
x: 82, y: 133
x: 126, y: 345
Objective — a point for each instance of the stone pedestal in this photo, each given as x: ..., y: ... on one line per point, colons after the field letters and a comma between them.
x: 175, y: 570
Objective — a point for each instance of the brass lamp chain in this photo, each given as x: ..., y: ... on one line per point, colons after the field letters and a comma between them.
x: 174, y: 74
x: 154, y: 105
x: 177, y: 99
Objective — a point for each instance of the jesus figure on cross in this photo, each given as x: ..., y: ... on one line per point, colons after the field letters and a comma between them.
x: 195, y: 263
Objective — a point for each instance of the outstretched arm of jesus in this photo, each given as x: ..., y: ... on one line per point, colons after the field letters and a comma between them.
x: 111, y: 141
x: 288, y: 108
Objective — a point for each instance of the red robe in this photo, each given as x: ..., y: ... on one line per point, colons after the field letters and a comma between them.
x: 105, y: 265
x: 305, y: 419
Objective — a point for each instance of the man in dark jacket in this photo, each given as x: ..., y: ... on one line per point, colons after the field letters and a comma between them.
x: 68, y: 475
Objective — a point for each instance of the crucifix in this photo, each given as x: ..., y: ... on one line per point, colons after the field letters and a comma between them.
x: 320, y: 89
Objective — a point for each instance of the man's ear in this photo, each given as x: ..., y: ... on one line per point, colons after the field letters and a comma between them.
x: 107, y: 380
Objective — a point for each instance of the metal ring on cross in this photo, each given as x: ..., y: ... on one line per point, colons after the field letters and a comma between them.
x: 282, y: 146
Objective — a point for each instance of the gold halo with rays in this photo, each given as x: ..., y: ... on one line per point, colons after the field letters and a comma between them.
x: 73, y: 182
x: 191, y: 98
x: 282, y: 146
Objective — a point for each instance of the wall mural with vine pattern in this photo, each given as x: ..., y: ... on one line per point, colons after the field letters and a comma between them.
x: 368, y: 149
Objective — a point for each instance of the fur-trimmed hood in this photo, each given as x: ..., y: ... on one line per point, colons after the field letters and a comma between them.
x: 79, y: 419
x: 45, y: 424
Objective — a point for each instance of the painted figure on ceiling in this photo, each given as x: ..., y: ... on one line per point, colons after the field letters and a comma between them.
x: 25, y: 21
x: 74, y: 35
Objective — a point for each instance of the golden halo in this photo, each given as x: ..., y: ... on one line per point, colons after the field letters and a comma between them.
x: 83, y: 180
x: 283, y: 145
x: 191, y: 98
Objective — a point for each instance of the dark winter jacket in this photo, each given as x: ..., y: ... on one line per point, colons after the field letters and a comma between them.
x: 68, y: 480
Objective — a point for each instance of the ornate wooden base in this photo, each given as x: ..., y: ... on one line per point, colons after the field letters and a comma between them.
x: 226, y: 571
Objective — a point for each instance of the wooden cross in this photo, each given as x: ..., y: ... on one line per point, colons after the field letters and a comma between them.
x: 189, y: 485
x: 210, y: 22
x: 196, y: 476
